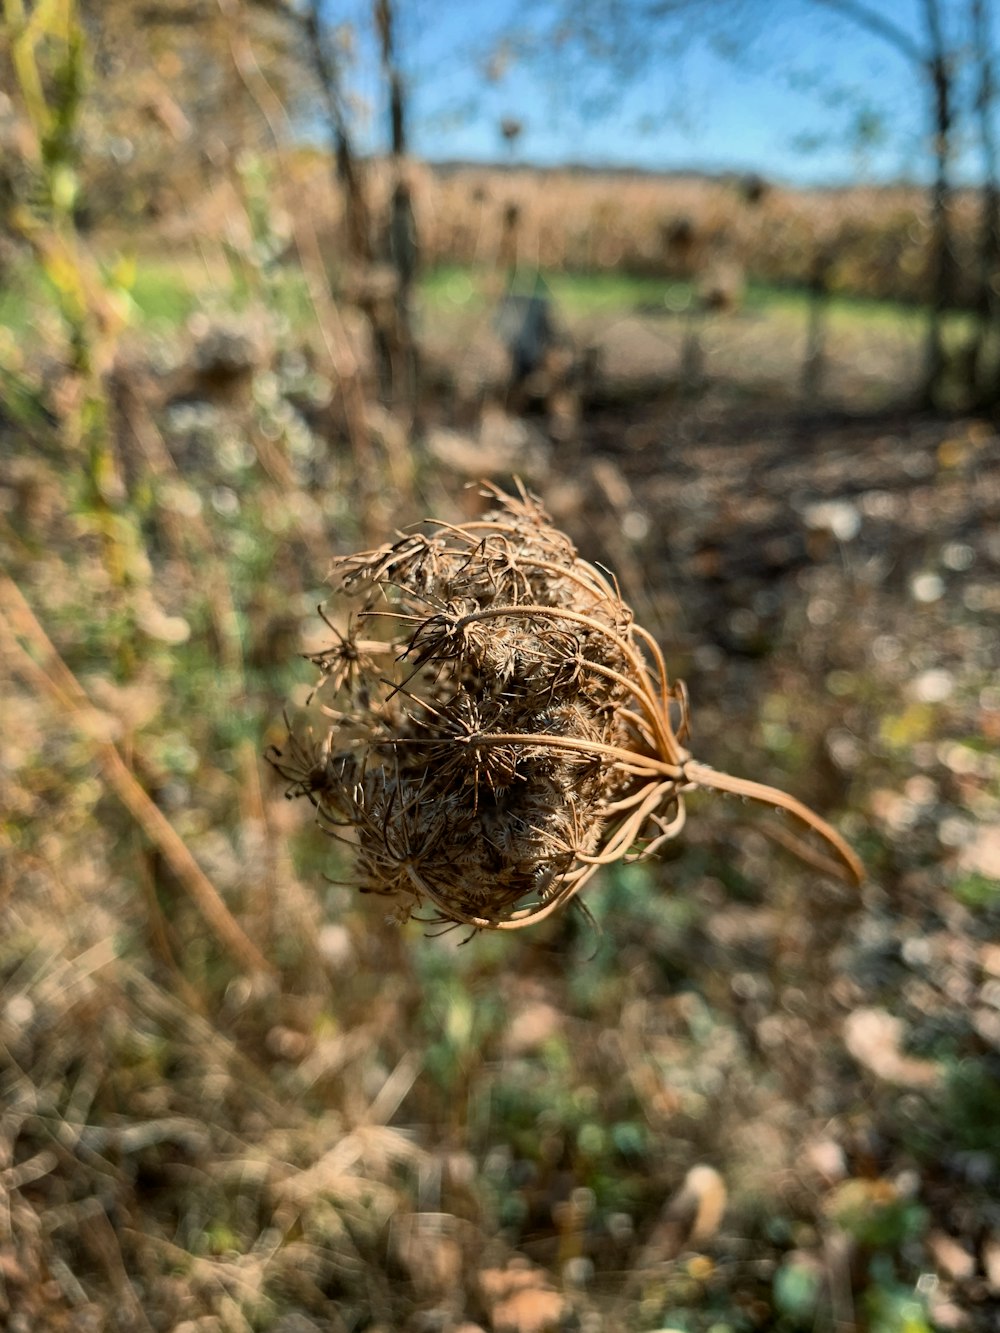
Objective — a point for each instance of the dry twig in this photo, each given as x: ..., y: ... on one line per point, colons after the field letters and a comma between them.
x: 53, y: 678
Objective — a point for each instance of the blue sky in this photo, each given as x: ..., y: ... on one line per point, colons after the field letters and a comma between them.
x: 786, y: 96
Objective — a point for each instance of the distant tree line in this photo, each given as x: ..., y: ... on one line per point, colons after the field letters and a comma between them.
x: 165, y: 111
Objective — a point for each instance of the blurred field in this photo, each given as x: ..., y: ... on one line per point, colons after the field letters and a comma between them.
x: 876, y: 237
x: 642, y: 332
x: 732, y: 1096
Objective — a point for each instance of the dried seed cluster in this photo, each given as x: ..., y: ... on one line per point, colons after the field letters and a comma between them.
x: 498, y: 727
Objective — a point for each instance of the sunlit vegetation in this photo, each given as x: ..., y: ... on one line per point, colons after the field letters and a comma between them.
x: 729, y: 1091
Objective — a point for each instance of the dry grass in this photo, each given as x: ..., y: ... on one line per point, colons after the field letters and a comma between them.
x: 368, y: 1134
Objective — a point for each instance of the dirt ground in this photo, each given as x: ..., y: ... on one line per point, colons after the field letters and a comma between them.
x: 827, y: 584
x: 745, y: 356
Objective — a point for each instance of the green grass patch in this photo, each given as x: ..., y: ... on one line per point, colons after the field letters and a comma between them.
x: 456, y: 288
x: 977, y: 891
x: 164, y: 293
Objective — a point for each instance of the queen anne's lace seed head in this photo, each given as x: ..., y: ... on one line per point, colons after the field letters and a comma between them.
x: 496, y: 727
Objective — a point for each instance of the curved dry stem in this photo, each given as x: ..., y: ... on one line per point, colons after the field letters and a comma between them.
x: 526, y: 916
x: 661, y: 665
x: 628, y: 831
x: 641, y: 687
x: 802, y: 850
x: 639, y: 764
x: 667, y: 834
x: 640, y: 690
x: 451, y: 911
x: 759, y: 791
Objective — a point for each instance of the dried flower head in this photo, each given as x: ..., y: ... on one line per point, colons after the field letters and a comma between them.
x: 498, y: 727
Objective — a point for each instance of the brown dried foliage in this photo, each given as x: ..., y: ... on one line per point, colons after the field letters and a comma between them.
x: 498, y: 726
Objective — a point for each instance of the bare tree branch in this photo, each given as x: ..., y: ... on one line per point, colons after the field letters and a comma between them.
x: 877, y: 23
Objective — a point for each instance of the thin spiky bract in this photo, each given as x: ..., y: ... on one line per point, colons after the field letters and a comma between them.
x: 499, y: 727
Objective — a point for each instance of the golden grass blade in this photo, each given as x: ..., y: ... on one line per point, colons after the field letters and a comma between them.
x: 57, y: 681
x: 711, y: 779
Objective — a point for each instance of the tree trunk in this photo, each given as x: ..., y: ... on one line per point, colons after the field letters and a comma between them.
x: 814, y: 363
x: 359, y: 238
x: 941, y: 269
x: 401, y: 232
x: 933, y: 64
x: 983, y: 384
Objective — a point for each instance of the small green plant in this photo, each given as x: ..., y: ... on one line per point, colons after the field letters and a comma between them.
x: 48, y: 53
x: 874, y: 1214
x: 978, y: 891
